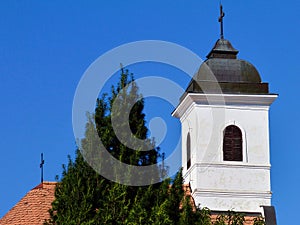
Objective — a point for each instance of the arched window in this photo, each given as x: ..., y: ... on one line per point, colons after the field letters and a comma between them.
x: 232, y: 144
x: 188, y: 151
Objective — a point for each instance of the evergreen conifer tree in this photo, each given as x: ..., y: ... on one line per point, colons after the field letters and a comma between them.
x: 85, y: 197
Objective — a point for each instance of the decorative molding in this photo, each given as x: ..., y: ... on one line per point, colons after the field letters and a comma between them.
x: 232, y: 164
x: 227, y: 165
x: 231, y: 194
x: 224, y: 100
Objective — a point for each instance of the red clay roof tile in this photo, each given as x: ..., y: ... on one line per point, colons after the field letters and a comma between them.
x: 33, y: 208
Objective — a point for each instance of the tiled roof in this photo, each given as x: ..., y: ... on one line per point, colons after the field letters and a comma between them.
x: 33, y: 208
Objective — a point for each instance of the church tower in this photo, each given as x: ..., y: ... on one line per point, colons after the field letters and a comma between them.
x: 224, y: 115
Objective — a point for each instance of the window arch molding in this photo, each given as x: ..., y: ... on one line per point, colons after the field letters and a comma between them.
x: 244, y: 141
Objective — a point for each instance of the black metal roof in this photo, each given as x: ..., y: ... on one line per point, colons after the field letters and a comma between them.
x: 223, y: 70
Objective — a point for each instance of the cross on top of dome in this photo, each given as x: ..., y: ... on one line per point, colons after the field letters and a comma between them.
x: 222, y: 14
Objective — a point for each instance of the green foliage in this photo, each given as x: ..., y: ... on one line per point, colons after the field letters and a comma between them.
x: 77, y: 195
x: 115, y: 208
x: 259, y: 221
x: 85, y: 197
x: 230, y: 218
x: 193, y: 215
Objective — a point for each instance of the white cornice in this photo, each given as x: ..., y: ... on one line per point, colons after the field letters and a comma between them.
x: 229, y: 165
x: 231, y: 194
x: 224, y: 100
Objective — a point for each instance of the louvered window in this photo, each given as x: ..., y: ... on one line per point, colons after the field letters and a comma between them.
x: 232, y: 144
x: 188, y: 151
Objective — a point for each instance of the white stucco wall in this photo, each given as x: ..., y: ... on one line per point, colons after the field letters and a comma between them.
x: 224, y: 185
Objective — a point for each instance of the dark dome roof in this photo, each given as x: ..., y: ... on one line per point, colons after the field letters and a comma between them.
x: 223, y: 70
x: 223, y: 63
x: 228, y: 70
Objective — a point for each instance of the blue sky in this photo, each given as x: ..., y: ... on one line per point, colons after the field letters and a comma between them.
x: 45, y: 47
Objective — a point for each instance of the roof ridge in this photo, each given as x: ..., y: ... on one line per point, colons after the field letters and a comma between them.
x: 44, y: 183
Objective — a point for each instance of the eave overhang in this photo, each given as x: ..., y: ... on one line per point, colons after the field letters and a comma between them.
x: 223, y: 100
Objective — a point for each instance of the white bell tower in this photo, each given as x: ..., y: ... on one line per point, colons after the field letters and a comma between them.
x: 224, y: 115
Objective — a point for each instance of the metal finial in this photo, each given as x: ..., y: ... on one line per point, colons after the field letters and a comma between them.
x: 42, y: 167
x: 222, y: 14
